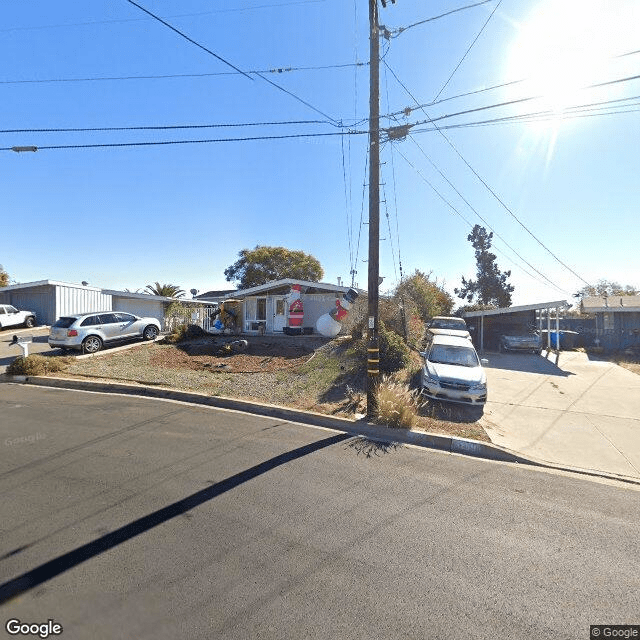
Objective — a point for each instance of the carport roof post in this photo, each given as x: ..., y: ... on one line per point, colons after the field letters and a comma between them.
x: 557, y: 305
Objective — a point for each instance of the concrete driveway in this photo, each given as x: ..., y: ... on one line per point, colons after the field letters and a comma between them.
x: 583, y: 413
x: 8, y: 352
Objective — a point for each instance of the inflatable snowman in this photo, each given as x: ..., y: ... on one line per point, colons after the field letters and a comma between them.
x: 329, y: 324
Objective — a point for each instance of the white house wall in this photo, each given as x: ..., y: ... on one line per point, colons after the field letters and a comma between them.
x: 70, y: 300
x: 315, y: 305
x: 139, y: 307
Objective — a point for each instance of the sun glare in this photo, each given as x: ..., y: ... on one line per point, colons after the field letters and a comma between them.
x: 566, y: 45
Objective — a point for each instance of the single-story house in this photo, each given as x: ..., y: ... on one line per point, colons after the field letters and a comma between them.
x: 487, y: 325
x: 214, y: 296
x: 267, y: 308
x: 51, y: 299
x: 617, y: 325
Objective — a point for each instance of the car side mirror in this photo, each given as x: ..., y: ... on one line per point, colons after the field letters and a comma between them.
x: 484, y: 361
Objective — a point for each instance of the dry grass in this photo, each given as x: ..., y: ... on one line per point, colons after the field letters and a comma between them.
x: 328, y: 379
x: 37, y: 365
x: 398, y: 405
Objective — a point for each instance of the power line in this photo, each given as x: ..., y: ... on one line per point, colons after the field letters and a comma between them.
x: 469, y: 49
x: 496, y: 105
x: 543, y: 116
x: 180, y: 15
x: 275, y: 70
x: 186, y: 37
x: 396, y: 32
x: 477, y: 213
x: 165, y: 127
x: 354, y: 270
x: 468, y: 222
x: 486, y: 185
x: 169, y: 142
x: 263, y: 77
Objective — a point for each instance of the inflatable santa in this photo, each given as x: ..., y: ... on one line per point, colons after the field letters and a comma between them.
x: 296, y: 307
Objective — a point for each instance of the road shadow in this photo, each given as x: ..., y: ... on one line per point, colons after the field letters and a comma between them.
x: 526, y: 362
x: 372, y: 448
x: 62, y: 563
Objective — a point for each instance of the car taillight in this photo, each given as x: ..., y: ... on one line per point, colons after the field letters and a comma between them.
x: 71, y: 333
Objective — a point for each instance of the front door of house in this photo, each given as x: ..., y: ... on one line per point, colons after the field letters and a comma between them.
x: 279, y: 314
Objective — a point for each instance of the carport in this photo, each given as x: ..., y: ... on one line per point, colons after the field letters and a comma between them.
x: 530, y: 314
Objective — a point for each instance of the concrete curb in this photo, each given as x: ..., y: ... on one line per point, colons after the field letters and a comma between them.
x: 450, y: 444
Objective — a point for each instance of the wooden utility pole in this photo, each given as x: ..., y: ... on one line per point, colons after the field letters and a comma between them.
x: 373, y: 351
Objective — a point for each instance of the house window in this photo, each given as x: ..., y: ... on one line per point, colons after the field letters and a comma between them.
x: 280, y: 307
x: 261, y: 309
x: 608, y: 321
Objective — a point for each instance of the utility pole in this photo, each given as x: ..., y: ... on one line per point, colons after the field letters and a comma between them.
x: 373, y: 351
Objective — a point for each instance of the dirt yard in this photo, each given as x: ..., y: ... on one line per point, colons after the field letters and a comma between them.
x: 260, y: 355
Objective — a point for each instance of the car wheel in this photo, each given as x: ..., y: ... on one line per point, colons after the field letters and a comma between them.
x: 150, y: 332
x: 29, y: 322
x: 91, y: 344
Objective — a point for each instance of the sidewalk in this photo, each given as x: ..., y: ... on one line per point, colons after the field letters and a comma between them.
x: 584, y: 413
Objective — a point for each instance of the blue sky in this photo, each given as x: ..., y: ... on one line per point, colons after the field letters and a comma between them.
x: 558, y: 187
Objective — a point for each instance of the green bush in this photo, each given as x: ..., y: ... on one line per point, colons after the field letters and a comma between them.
x: 394, y: 353
x: 35, y: 365
x: 178, y: 334
x: 398, y: 405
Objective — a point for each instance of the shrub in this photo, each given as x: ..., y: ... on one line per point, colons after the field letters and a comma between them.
x: 398, y: 405
x: 185, y: 332
x: 35, y: 365
x: 394, y: 353
x: 178, y: 334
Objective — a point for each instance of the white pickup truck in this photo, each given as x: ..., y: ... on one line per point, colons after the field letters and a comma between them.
x: 11, y: 317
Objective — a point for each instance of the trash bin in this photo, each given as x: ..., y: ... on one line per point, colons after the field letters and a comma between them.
x: 568, y: 339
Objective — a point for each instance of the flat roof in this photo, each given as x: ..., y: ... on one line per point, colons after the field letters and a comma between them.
x: 526, y: 307
x: 607, y: 304
x: 42, y: 283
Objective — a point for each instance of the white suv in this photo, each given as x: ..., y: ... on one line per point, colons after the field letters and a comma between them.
x: 452, y: 371
x: 11, y: 317
x: 89, y: 332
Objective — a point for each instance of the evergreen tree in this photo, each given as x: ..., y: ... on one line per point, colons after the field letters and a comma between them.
x: 491, y: 286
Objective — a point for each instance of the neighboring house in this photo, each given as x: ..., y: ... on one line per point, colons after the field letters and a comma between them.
x: 51, y: 299
x: 214, y: 296
x: 617, y: 325
x: 266, y: 308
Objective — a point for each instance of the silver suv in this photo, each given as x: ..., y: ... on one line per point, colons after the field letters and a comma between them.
x: 89, y: 332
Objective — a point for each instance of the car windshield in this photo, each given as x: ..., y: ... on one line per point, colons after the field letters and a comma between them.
x: 64, y: 323
x: 449, y: 354
x: 449, y: 324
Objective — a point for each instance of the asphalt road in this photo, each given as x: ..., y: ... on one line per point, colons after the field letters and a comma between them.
x: 124, y: 517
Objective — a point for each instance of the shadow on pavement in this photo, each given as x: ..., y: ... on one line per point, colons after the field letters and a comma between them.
x: 371, y: 448
x: 73, y: 558
x: 529, y: 363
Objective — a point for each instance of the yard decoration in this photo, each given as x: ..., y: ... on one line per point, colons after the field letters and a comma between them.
x: 296, y: 306
x: 328, y: 325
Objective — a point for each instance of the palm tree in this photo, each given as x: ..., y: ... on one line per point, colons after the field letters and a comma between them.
x: 166, y: 290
